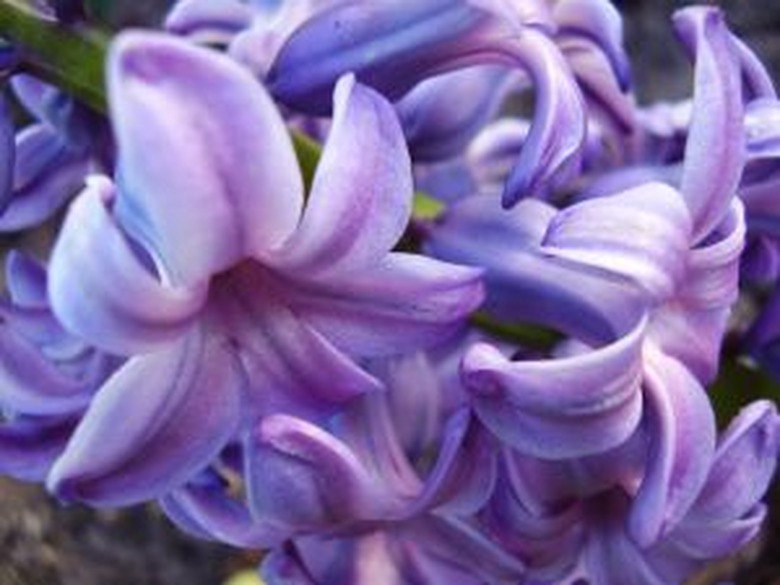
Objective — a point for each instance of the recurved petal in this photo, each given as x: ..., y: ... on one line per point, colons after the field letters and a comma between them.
x: 680, y: 427
x: 744, y: 464
x: 642, y: 233
x: 29, y: 445
x: 714, y: 151
x: 301, y: 478
x: 100, y: 290
x: 7, y: 152
x: 361, y: 197
x: 158, y: 421
x: 209, y: 21
x: 762, y: 128
x: 405, y: 302
x: 33, y: 385
x: 600, y: 22
x: 205, y: 157
x: 551, y: 152
x: 26, y: 280
x: 560, y: 408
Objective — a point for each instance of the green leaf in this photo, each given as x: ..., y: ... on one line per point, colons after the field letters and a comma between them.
x: 524, y: 335
x: 245, y: 578
x: 426, y: 207
x: 308, y: 152
x: 740, y: 382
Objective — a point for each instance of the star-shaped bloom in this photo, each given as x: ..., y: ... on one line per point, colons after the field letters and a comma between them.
x: 232, y: 298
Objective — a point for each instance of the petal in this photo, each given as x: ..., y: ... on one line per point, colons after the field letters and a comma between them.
x: 714, y: 152
x: 552, y: 149
x: 744, y: 464
x: 205, y: 158
x: 206, y: 510
x: 642, y: 233
x: 100, y: 290
x: 26, y: 280
x: 301, y: 478
x: 406, y: 302
x: 559, y: 408
x: 390, y: 46
x: 681, y: 434
x: 438, y: 127
x: 7, y: 152
x: 209, y: 21
x: 29, y: 445
x: 174, y: 410
x: 31, y: 384
x: 361, y: 197
x: 762, y: 129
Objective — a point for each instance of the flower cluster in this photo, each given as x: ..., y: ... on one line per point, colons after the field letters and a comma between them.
x: 471, y: 347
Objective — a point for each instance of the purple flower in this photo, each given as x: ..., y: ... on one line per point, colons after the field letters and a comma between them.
x: 231, y: 300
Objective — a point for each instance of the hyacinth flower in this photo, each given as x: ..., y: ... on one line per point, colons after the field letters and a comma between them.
x: 229, y: 298
x: 642, y: 279
x: 54, y: 154
x: 48, y: 375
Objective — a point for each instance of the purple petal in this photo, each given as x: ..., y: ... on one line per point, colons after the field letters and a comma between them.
x: 361, y: 198
x: 405, y: 302
x: 599, y: 22
x: 26, y: 280
x: 172, y: 411
x: 209, y: 21
x: 551, y: 151
x: 7, y: 152
x: 438, y: 127
x: 559, y: 408
x: 390, y: 46
x: 744, y: 464
x: 29, y: 445
x: 206, y: 510
x: 204, y: 156
x: 681, y: 434
x: 714, y: 152
x: 31, y: 384
x: 642, y: 233
x: 707, y: 541
x: 755, y: 74
x: 100, y: 289
x: 301, y: 478
x: 762, y: 128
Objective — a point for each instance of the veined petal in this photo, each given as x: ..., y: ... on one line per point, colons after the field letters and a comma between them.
x: 302, y: 478
x: 154, y: 424
x: 405, y: 302
x: 714, y: 152
x: 204, y: 155
x: 681, y: 433
x: 559, y: 408
x: 642, y: 233
x: 361, y: 197
x: 100, y: 290
x: 552, y: 149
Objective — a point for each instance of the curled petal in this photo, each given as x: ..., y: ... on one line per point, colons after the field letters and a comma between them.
x: 205, y: 157
x: 174, y: 410
x: 642, y: 233
x: 361, y: 197
x: 100, y: 289
x: 438, y: 127
x: 29, y: 445
x: 301, y: 478
x: 31, y: 384
x: 714, y: 152
x: 755, y: 74
x: 209, y: 21
x: 389, y: 45
x: 681, y: 435
x: 762, y: 128
x: 7, y: 152
x: 551, y: 152
x: 26, y: 280
x: 559, y: 408
x: 744, y: 464
x: 205, y: 510
x: 598, y: 21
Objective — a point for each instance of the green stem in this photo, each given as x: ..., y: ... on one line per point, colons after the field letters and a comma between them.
x: 69, y: 57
